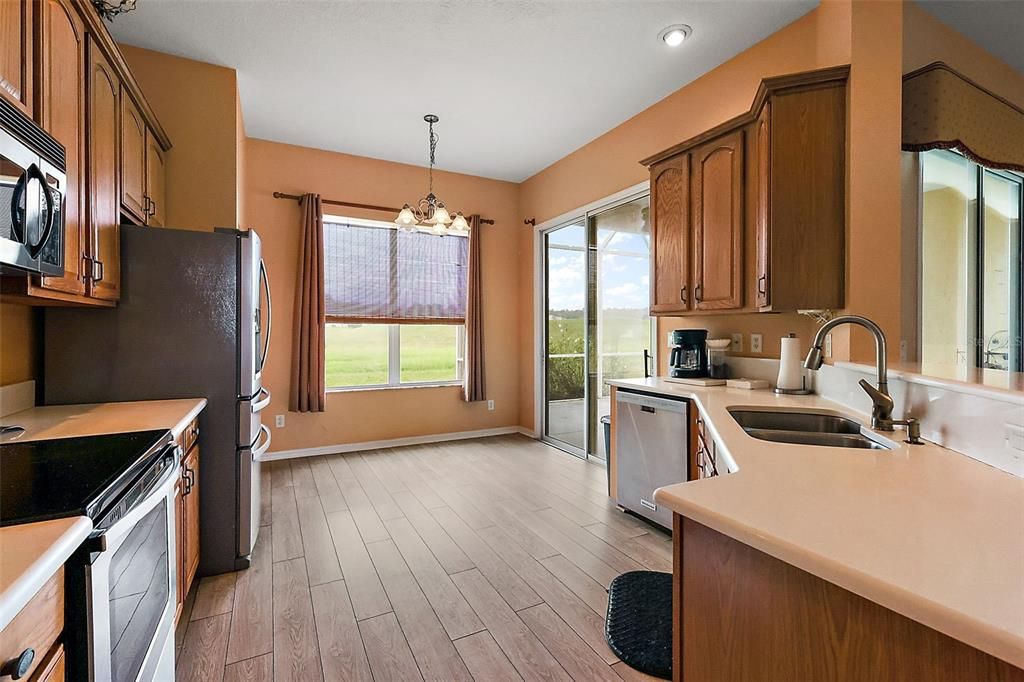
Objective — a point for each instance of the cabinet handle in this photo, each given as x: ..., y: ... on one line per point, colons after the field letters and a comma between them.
x: 18, y: 667
x: 97, y: 265
x: 762, y: 284
x: 682, y: 294
x: 86, y: 267
x: 152, y: 205
x: 698, y: 293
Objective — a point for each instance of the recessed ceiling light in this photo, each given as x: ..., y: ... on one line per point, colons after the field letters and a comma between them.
x: 674, y: 35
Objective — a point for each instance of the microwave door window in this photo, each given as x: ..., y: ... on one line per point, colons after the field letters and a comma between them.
x: 139, y: 593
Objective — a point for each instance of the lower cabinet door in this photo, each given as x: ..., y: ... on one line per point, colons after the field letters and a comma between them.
x: 191, y: 517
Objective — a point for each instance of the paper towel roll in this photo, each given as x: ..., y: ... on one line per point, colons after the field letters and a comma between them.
x: 791, y: 369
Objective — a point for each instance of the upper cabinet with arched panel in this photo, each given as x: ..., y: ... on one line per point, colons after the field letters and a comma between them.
x: 751, y: 215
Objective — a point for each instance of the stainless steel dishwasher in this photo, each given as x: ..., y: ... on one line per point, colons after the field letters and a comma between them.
x: 651, y: 444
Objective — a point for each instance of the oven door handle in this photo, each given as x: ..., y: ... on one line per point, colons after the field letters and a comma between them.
x: 36, y: 174
x: 157, y: 495
x: 260, y: 450
x: 262, y: 400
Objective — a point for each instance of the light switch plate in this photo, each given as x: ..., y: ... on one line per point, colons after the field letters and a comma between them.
x: 490, y: 405
x: 828, y: 346
x: 737, y: 343
x: 279, y: 421
x: 668, y: 339
x: 756, y: 343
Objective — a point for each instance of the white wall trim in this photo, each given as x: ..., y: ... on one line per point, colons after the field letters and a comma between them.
x: 395, y: 442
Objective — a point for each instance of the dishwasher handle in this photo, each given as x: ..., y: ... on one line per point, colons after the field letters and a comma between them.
x: 650, y: 403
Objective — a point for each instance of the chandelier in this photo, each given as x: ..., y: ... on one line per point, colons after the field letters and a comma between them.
x: 108, y: 9
x: 430, y: 213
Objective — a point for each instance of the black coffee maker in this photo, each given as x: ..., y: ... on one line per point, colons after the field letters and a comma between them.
x: 689, y: 356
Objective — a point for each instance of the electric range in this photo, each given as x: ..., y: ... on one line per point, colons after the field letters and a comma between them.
x: 121, y: 583
x: 84, y: 476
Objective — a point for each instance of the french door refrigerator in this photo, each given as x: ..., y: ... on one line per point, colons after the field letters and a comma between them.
x: 193, y: 321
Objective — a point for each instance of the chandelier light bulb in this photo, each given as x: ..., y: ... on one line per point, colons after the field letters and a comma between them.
x: 441, y: 216
x: 406, y: 219
x: 459, y: 224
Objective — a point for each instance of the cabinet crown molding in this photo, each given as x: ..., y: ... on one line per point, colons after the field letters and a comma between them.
x: 773, y: 85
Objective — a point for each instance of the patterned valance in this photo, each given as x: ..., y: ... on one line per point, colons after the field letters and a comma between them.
x: 943, y: 109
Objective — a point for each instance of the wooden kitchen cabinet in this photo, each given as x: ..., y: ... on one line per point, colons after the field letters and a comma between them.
x: 16, y: 56
x: 142, y: 167
x: 765, y: 206
x: 133, y: 160
x: 103, y: 89
x: 59, y: 57
x: 60, y: 110
x: 741, y: 614
x: 670, y: 238
x: 718, y: 223
x: 156, y: 193
x: 38, y: 626
x: 187, y: 516
x: 800, y: 181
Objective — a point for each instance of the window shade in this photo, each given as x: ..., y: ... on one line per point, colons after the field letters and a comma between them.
x: 381, y: 274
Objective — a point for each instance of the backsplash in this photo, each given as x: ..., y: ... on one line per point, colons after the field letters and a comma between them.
x: 983, y: 423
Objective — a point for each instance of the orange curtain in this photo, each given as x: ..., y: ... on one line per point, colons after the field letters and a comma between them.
x: 308, y: 392
x: 473, y: 384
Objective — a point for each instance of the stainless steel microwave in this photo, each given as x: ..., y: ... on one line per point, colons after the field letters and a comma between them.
x: 33, y: 180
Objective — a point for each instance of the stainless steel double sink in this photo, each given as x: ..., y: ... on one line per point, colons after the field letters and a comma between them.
x: 806, y: 428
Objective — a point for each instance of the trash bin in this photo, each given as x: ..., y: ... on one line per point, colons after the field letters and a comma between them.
x: 606, y: 422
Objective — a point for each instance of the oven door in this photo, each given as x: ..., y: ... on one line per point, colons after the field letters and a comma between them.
x: 131, y: 591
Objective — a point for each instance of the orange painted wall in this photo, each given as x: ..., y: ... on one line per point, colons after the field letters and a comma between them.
x: 610, y: 163
x: 927, y: 40
x: 390, y: 413
x: 197, y: 104
x: 19, y: 344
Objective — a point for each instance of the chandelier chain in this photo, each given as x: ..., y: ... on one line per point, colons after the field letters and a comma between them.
x: 433, y: 150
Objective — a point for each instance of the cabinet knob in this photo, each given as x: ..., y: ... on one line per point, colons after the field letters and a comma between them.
x: 18, y: 667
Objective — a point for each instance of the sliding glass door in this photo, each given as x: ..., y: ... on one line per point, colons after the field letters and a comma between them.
x: 597, y: 326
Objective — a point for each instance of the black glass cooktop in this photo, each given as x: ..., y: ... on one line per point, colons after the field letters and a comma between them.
x: 50, y: 479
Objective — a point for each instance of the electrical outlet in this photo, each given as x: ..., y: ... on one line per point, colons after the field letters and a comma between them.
x: 828, y: 346
x: 279, y: 421
x: 903, y: 350
x: 490, y: 406
x: 668, y: 339
x: 756, y: 340
x: 737, y: 343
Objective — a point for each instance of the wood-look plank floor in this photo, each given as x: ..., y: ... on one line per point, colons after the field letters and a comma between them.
x: 477, y: 560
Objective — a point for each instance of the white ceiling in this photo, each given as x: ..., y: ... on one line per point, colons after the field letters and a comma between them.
x: 996, y: 25
x: 518, y: 84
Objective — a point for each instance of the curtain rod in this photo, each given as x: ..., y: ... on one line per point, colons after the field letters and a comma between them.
x: 366, y: 207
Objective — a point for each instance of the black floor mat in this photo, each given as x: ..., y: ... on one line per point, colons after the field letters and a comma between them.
x: 639, y: 622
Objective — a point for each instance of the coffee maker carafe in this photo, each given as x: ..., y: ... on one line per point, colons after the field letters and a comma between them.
x: 689, y: 358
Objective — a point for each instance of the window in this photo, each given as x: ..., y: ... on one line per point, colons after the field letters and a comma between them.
x: 971, y: 274
x: 395, y: 304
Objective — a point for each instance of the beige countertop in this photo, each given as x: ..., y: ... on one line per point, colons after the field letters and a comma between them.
x: 66, y: 421
x: 31, y: 552
x: 922, y: 530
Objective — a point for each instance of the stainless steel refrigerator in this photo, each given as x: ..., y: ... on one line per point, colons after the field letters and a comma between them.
x: 193, y: 321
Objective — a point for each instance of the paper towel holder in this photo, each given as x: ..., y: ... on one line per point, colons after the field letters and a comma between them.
x: 803, y: 390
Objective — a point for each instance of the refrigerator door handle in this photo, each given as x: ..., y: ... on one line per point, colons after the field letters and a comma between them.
x: 262, y: 400
x: 259, y: 450
x: 270, y: 313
